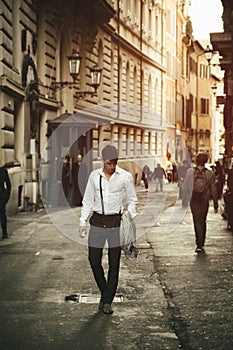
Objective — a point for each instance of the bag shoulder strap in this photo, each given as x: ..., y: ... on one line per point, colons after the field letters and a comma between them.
x: 101, y: 195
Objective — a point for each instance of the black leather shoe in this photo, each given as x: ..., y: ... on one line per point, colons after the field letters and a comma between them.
x: 72, y: 297
x: 101, y: 304
x: 5, y: 236
x: 108, y: 309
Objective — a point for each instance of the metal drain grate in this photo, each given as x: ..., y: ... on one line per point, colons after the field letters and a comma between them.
x: 93, y: 298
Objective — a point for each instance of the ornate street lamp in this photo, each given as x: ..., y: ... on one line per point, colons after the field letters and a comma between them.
x: 95, y: 77
x: 208, y: 53
x: 74, y: 66
x: 95, y: 83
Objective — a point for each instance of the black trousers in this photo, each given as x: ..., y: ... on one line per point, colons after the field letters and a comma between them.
x: 99, y: 234
x: 199, y: 211
x: 3, y: 218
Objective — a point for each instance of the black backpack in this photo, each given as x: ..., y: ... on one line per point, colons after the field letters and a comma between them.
x: 200, y: 184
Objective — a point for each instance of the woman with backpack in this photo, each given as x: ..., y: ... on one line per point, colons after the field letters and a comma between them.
x: 200, y: 186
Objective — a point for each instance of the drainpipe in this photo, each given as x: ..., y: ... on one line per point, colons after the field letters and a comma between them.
x: 118, y: 57
x: 162, y: 61
x: 141, y: 87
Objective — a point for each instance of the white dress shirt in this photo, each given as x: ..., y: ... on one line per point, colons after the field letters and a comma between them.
x: 120, y: 186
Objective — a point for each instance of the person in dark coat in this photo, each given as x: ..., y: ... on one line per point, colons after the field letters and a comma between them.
x: 181, y: 170
x: 220, y: 177
x: 199, y: 204
x: 230, y: 180
x: 5, y: 190
x: 79, y: 179
x: 64, y: 177
x: 174, y: 172
x: 145, y: 176
x: 159, y: 174
x: 228, y: 198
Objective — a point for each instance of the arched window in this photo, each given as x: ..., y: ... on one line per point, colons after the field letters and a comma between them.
x: 191, y: 132
x: 201, y: 134
x: 112, y: 73
x: 156, y: 97
x: 120, y: 79
x: 101, y: 65
x: 207, y: 134
x: 149, y: 93
x: 127, y: 83
x: 142, y: 89
x: 135, y: 97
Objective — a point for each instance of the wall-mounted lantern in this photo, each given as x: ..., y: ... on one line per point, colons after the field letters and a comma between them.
x: 74, y: 66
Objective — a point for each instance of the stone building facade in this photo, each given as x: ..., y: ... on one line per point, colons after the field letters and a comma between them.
x: 141, y: 105
x: 223, y: 42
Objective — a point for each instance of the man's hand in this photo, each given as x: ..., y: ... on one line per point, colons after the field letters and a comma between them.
x: 82, y: 231
x: 216, y: 210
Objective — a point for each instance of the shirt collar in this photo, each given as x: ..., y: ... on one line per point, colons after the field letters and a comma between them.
x: 118, y: 170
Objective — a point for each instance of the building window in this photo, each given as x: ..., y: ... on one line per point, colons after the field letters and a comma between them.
x: 156, y: 95
x: 202, y: 71
x: 207, y: 134
x: 128, y: 82
x: 202, y: 134
x: 156, y: 143
x: 207, y: 72
x: 204, y: 106
x: 149, y: 93
x: 135, y: 97
x: 191, y: 133
x: 156, y: 28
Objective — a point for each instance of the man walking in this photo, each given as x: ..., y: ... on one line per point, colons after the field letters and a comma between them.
x: 199, y: 185
x: 5, y: 190
x: 159, y: 174
x: 106, y: 189
x: 182, y: 169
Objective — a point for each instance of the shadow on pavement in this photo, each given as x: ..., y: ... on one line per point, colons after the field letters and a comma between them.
x: 94, y: 334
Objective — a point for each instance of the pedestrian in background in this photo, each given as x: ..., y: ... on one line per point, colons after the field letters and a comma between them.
x: 65, y: 177
x: 79, y: 179
x: 169, y: 171
x: 220, y: 178
x: 145, y: 176
x: 44, y: 177
x: 230, y: 180
x: 200, y: 185
x: 159, y: 175
x: 106, y: 189
x: 228, y: 199
x: 174, y: 172
x: 5, y: 190
x: 181, y: 170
